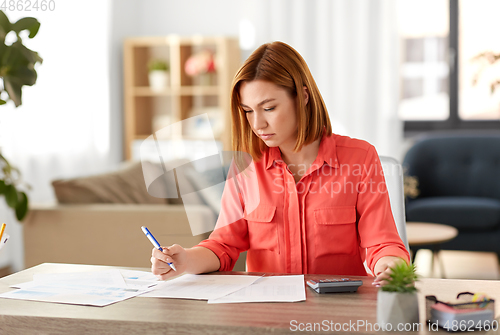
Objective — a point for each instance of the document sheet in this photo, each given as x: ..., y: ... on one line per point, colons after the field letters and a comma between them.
x: 268, y: 289
x: 232, y: 289
x: 200, y: 287
x: 97, y: 288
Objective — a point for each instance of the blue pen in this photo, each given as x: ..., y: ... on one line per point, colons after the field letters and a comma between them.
x: 155, y: 243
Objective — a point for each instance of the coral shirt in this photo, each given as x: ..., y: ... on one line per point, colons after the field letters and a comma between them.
x: 329, y: 222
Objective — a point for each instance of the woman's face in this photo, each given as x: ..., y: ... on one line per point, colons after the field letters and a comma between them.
x: 270, y: 111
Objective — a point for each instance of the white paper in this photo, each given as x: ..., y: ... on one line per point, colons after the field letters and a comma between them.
x: 268, y: 289
x: 72, y: 293
x: 139, y: 279
x: 200, y: 287
x: 96, y: 288
x: 95, y: 278
x: 5, y: 237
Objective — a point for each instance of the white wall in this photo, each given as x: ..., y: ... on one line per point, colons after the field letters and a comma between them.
x: 340, y: 41
x: 188, y: 17
x: 124, y: 21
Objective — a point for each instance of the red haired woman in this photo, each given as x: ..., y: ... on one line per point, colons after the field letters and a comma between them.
x: 323, y: 207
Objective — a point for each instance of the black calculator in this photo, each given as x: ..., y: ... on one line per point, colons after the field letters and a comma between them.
x: 334, y: 285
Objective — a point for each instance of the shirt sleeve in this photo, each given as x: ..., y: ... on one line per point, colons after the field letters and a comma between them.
x: 376, y: 226
x: 230, y: 236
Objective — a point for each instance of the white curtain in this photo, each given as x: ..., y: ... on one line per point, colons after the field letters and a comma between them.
x: 352, y: 49
x: 62, y: 129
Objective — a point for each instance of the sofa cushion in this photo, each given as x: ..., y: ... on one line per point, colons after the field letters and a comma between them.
x: 123, y: 186
x: 464, y: 213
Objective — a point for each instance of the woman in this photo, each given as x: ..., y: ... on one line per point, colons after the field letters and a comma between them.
x: 323, y: 207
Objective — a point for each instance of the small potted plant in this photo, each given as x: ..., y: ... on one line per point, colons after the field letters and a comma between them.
x: 158, y: 74
x: 397, y: 301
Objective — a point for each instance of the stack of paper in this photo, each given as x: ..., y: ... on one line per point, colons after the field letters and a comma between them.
x: 99, y: 288
x: 102, y: 288
x: 232, y: 289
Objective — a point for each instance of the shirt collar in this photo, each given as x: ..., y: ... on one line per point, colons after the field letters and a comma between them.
x: 327, y: 153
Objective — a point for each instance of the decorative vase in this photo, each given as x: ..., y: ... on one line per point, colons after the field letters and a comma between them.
x: 395, y: 308
x: 158, y: 80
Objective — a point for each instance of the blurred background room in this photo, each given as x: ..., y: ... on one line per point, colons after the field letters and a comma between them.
x: 390, y: 72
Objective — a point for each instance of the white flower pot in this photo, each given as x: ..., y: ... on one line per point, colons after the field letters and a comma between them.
x: 394, y: 308
x: 158, y: 80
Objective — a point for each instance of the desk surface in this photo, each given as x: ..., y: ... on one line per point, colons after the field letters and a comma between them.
x: 160, y: 316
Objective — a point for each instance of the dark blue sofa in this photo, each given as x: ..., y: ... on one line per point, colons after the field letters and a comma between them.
x: 459, y: 183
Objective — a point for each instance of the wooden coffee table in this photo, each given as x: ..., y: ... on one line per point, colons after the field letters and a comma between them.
x: 424, y: 233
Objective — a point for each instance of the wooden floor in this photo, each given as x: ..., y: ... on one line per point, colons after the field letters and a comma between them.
x: 459, y: 264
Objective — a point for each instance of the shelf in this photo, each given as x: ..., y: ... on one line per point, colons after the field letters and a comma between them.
x: 199, y: 90
x: 196, y: 40
x: 147, y: 111
x: 145, y: 91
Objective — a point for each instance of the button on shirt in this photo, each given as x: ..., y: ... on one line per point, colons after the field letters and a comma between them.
x: 336, y: 216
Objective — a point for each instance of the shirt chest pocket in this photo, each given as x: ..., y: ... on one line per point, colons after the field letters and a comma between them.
x: 335, y: 231
x: 263, y: 228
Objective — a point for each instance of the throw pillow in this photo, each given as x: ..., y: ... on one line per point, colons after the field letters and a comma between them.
x: 123, y: 186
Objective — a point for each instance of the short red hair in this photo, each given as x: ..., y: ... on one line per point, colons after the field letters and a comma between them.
x: 282, y: 65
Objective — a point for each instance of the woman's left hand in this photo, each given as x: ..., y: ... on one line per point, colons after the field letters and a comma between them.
x: 383, y: 269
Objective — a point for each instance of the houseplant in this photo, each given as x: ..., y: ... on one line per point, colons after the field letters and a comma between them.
x: 158, y: 74
x: 397, y: 300
x: 201, y: 65
x: 17, y: 69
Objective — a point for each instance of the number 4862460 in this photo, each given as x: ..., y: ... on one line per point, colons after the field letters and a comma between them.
x: 28, y: 5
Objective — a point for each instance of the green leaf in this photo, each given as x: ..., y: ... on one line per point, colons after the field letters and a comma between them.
x: 18, y: 69
x: 2, y: 102
x: 14, y: 90
x: 11, y: 196
x: 2, y: 187
x: 29, y: 54
x: 27, y: 23
x: 5, y: 25
x: 401, y: 279
x: 22, y: 206
x: 23, y: 76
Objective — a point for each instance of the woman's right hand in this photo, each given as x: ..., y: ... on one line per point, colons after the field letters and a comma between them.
x: 174, y: 254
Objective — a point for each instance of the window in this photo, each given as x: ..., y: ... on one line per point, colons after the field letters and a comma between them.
x: 444, y: 83
x: 478, y: 34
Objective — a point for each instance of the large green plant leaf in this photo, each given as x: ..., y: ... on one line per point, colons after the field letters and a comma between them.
x: 17, y: 69
x: 27, y: 23
x: 22, y: 206
x: 5, y: 26
x: 17, y: 62
x: 30, y: 55
x: 15, y: 91
x: 11, y: 196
